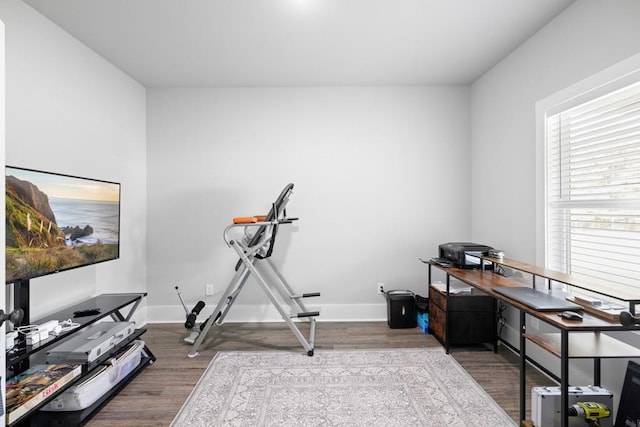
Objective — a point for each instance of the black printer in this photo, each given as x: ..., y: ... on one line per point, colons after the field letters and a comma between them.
x: 464, y: 254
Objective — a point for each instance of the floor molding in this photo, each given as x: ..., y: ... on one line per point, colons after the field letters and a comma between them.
x: 268, y: 313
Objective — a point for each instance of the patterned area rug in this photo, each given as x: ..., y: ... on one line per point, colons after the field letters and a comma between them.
x: 413, y: 387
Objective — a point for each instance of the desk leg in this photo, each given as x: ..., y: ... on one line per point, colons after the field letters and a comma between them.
x: 596, y: 366
x: 564, y: 378
x: 447, y: 318
x: 523, y: 367
x: 495, y: 325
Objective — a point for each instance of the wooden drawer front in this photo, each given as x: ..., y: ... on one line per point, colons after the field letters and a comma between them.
x: 437, y: 298
x: 437, y: 319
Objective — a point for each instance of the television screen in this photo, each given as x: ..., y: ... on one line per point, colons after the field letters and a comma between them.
x: 57, y: 222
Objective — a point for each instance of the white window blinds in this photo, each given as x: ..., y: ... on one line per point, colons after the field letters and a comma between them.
x: 593, y: 188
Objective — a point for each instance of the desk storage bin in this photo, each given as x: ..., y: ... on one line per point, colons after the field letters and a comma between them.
x: 401, y: 309
x: 423, y: 321
x: 85, y: 393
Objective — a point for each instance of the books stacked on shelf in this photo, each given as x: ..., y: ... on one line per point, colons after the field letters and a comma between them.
x: 584, y: 300
x: 598, y: 308
x: 28, y: 389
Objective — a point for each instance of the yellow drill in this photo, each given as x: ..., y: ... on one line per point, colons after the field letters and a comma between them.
x: 592, y: 412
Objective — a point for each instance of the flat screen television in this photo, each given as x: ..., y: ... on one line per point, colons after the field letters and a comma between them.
x: 56, y: 222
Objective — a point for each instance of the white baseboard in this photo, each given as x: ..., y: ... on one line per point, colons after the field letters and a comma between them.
x: 268, y: 313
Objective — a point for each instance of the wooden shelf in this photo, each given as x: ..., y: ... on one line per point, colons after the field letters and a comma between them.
x: 598, y: 287
x: 585, y: 345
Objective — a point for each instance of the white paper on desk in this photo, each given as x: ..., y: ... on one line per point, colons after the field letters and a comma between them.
x: 454, y: 288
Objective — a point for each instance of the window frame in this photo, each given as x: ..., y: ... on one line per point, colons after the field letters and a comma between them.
x: 616, y: 77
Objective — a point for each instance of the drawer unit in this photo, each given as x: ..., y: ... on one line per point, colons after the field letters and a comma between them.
x: 464, y: 318
x: 437, y: 318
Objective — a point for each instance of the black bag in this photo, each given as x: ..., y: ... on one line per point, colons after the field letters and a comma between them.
x: 422, y: 304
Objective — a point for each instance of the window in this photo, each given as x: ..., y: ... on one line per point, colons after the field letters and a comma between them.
x: 592, y: 185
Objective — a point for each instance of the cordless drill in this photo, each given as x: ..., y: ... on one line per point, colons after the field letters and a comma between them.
x: 592, y: 412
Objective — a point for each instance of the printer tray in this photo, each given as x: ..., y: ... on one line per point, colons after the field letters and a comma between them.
x: 90, y: 343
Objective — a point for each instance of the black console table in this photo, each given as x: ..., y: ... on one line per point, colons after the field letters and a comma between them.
x: 118, y: 307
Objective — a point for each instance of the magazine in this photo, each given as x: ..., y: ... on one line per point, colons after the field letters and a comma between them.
x: 26, y: 390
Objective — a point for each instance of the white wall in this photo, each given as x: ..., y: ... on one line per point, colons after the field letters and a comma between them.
x: 381, y: 177
x: 70, y: 111
x: 588, y: 37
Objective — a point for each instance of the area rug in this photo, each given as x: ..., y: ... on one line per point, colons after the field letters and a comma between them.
x: 405, y: 387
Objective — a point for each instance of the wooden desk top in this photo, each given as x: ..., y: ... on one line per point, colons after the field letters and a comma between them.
x: 486, y: 280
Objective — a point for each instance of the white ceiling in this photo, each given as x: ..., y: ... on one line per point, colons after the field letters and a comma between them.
x: 302, y: 42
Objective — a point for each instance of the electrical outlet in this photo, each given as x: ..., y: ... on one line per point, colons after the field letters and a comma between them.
x: 208, y: 290
x: 380, y: 288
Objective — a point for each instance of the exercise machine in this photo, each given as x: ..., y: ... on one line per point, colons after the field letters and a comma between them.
x: 254, y: 248
x: 191, y: 317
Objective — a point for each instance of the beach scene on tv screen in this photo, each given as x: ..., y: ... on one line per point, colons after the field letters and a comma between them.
x: 57, y: 222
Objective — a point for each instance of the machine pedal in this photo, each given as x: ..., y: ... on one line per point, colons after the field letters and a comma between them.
x: 309, y: 295
x: 306, y: 314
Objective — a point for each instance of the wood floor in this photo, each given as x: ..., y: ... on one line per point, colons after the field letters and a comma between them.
x: 154, y: 397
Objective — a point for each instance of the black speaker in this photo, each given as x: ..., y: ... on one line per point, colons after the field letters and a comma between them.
x: 401, y: 309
